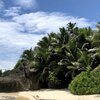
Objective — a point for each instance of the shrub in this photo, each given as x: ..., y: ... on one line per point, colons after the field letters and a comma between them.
x: 54, y: 82
x: 86, y: 83
x: 6, y: 73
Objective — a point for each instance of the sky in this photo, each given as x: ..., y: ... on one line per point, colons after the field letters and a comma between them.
x: 24, y: 22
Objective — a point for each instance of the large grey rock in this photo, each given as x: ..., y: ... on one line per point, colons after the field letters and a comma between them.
x: 21, y: 78
x: 16, y: 80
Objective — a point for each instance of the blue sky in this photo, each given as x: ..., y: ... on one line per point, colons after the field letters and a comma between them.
x: 24, y: 22
x: 81, y: 8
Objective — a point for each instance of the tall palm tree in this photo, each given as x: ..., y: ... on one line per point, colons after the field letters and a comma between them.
x: 60, y: 56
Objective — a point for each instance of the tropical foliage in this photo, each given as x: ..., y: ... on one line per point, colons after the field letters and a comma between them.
x: 86, y: 83
x: 59, y: 57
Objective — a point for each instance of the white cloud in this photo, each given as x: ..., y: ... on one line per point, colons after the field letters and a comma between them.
x: 13, y: 41
x: 26, y: 4
x: 47, y: 22
x: 11, y: 33
x: 13, y: 11
x: 19, y: 33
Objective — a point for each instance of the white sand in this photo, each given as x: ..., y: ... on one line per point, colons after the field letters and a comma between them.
x: 50, y: 94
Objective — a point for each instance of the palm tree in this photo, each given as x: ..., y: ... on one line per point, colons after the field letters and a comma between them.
x: 60, y: 56
x: 96, y: 40
x: 28, y: 55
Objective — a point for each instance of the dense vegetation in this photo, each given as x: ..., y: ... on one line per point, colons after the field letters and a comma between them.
x: 86, y: 83
x: 59, y: 57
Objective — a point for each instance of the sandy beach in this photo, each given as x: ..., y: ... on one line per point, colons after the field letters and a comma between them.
x: 46, y: 94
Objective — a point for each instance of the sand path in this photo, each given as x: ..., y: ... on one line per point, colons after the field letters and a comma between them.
x: 47, y: 94
x: 50, y: 94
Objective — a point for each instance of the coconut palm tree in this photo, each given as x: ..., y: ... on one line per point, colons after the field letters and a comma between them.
x: 60, y: 56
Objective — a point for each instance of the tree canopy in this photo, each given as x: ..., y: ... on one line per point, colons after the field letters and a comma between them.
x: 60, y: 56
